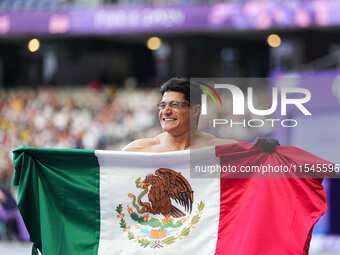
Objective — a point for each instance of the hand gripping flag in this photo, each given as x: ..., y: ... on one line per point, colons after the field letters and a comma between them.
x: 103, y: 202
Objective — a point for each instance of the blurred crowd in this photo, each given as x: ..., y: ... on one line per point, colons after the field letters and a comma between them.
x: 89, y: 118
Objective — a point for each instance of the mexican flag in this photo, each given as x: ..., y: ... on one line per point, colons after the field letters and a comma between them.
x: 107, y: 202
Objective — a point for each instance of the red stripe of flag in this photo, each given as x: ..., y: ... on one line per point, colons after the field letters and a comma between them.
x: 267, y: 216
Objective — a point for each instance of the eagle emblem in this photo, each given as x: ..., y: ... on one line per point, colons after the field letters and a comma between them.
x: 167, y: 184
x: 166, y: 215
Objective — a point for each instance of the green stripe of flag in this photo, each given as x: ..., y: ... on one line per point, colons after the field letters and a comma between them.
x: 59, y: 199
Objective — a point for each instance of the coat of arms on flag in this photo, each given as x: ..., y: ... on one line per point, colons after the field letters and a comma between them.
x: 140, y: 218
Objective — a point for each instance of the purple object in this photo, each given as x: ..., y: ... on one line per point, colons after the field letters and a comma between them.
x: 8, y: 212
x: 324, y: 87
x: 211, y: 17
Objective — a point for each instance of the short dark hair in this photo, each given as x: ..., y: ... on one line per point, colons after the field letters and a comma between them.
x: 192, y: 92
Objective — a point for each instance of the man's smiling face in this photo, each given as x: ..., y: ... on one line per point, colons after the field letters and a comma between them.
x: 175, y: 120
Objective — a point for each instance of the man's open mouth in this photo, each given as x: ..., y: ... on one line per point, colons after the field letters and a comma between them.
x: 166, y: 119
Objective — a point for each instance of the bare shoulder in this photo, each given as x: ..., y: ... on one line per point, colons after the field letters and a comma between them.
x: 203, y: 139
x: 141, y: 145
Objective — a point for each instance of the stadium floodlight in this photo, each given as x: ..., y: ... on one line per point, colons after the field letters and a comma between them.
x: 33, y: 45
x: 274, y: 40
x: 154, y: 43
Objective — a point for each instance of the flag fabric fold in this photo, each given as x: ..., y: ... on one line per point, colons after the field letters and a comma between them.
x: 105, y: 202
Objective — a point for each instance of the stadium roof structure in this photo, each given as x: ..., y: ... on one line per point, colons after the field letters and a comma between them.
x: 116, y: 19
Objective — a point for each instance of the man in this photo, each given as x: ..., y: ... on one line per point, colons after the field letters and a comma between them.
x: 179, y: 115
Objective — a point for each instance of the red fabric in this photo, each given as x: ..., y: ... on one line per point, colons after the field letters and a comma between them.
x: 267, y: 216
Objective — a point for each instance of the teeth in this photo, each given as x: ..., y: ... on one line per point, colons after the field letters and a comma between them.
x: 168, y: 119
